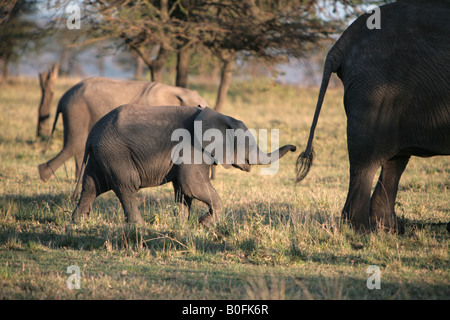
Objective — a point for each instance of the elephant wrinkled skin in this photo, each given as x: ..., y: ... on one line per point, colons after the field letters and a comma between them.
x: 397, y: 101
x: 86, y: 102
x: 132, y: 148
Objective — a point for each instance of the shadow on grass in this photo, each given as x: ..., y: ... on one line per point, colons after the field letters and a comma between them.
x: 57, y: 207
x: 420, y: 225
x: 41, y: 208
x: 46, y: 219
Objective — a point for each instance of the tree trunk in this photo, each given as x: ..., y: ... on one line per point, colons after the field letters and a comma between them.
x: 183, y: 57
x: 225, y: 81
x: 157, y: 65
x: 139, y: 68
x: 46, y: 81
x: 5, y: 73
x: 156, y: 74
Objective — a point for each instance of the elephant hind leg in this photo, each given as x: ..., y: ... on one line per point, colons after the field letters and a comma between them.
x: 75, y: 136
x: 357, y: 206
x: 46, y: 170
x: 127, y: 198
x: 78, y: 164
x: 383, y: 199
x: 184, y: 202
x: 93, y: 185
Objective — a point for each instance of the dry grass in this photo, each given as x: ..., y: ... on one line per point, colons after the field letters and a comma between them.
x: 276, y: 239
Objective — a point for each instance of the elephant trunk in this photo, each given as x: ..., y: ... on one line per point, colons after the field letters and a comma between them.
x: 268, y: 158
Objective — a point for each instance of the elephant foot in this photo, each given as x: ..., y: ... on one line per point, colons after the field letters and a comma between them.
x: 45, y: 172
x: 361, y: 228
x: 183, y: 213
x: 358, y: 225
x: 77, y: 216
x: 206, y: 220
x: 183, y: 216
x: 388, y: 224
x: 135, y: 219
x: 398, y: 228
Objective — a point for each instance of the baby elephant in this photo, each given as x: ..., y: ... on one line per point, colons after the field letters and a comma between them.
x: 136, y: 146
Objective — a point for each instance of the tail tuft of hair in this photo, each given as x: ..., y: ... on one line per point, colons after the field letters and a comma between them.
x: 304, y: 163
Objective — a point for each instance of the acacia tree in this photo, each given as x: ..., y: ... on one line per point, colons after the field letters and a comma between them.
x: 266, y: 29
x: 154, y: 29
x: 130, y: 22
x: 269, y: 30
x: 18, y: 33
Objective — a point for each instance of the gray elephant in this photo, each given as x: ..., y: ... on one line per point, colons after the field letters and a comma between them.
x: 397, y: 101
x: 135, y: 147
x: 86, y: 102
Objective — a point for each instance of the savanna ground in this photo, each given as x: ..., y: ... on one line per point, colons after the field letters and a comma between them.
x: 275, y: 240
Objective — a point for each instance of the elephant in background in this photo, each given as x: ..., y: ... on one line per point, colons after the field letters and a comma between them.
x: 397, y: 101
x: 86, y: 102
x: 132, y: 147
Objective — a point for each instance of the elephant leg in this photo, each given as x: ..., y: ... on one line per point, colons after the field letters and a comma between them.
x: 209, y: 195
x: 78, y: 164
x: 195, y: 183
x: 383, y: 199
x: 93, y: 185
x: 47, y: 169
x: 184, y: 202
x: 75, y: 136
x: 357, y: 206
x: 127, y: 198
x: 69, y: 150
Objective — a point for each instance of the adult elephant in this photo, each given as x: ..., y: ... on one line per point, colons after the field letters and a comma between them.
x: 86, y: 102
x: 397, y: 100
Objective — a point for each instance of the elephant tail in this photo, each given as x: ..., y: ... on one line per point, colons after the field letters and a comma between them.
x: 87, y: 151
x: 58, y: 111
x: 305, y: 159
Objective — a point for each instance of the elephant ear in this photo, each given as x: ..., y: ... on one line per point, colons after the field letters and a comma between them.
x: 210, y: 132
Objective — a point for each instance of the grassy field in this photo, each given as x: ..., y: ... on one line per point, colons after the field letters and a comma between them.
x: 275, y: 240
